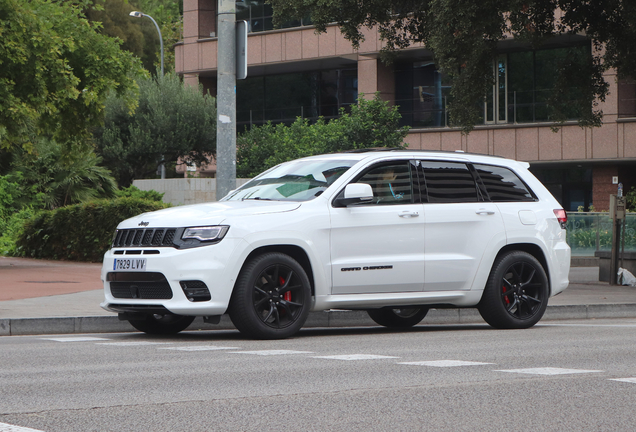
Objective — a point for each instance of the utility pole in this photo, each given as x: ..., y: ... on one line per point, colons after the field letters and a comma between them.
x: 226, y: 100
x: 617, y: 213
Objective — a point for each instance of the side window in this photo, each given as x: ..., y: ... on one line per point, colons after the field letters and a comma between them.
x: 391, y: 184
x: 448, y: 182
x: 502, y: 184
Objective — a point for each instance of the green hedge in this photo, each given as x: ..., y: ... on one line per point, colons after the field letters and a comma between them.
x: 81, y: 232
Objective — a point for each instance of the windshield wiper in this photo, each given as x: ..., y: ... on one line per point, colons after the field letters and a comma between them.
x: 258, y: 198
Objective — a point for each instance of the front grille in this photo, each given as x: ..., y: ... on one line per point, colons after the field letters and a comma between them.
x: 145, y: 237
x: 139, y: 285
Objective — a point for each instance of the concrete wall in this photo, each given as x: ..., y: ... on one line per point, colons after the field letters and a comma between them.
x: 184, y: 191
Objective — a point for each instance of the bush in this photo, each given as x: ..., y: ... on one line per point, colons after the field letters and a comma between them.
x: 135, y: 192
x: 80, y: 232
x: 11, y: 229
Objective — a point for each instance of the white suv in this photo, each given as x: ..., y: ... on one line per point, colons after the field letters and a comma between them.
x: 390, y: 232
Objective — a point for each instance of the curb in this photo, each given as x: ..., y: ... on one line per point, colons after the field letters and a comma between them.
x: 324, y: 319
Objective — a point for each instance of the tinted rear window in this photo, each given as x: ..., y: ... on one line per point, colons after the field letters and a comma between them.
x: 448, y: 182
x: 502, y: 184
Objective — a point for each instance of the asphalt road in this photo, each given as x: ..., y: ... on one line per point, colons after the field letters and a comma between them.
x: 570, y: 375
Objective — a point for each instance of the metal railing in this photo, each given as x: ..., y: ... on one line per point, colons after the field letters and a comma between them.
x: 522, y: 107
x: 425, y: 112
x: 591, y: 232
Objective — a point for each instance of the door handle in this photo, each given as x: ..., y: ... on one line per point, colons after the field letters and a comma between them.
x: 485, y: 212
x: 408, y: 214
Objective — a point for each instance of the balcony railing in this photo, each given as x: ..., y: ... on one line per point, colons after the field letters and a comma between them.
x: 431, y: 110
x: 288, y: 115
x: 424, y: 112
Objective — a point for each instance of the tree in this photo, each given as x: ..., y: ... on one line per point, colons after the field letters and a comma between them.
x: 463, y: 36
x: 56, y: 71
x: 139, y: 36
x: 371, y: 123
x: 173, y: 123
x: 50, y: 176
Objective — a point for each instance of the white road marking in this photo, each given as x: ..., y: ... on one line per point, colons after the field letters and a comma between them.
x: 139, y: 343
x: 585, y: 325
x: 627, y: 380
x: 4, y: 427
x: 444, y: 363
x: 549, y: 371
x: 272, y: 352
x: 76, y: 339
x: 200, y: 348
x: 350, y: 357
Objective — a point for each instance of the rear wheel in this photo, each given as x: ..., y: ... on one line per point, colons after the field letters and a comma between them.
x: 162, y: 324
x: 271, y: 298
x: 398, y: 317
x: 517, y: 291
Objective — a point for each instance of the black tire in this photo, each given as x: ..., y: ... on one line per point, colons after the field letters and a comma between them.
x: 271, y: 298
x: 398, y: 317
x: 162, y: 324
x: 517, y: 292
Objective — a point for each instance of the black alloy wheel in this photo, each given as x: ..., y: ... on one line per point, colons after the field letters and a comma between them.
x: 271, y: 298
x: 517, y: 292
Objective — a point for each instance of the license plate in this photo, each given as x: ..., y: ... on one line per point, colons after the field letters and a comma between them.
x: 129, y: 264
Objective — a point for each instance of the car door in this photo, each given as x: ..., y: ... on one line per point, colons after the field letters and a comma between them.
x: 460, y: 225
x: 378, y: 247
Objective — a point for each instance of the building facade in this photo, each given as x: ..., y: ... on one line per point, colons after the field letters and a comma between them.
x: 295, y: 72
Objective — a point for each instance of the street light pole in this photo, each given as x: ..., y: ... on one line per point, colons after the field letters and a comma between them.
x: 138, y: 14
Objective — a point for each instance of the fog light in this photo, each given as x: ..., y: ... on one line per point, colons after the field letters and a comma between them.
x: 196, y: 291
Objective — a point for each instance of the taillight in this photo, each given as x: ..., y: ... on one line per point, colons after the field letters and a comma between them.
x: 562, y: 217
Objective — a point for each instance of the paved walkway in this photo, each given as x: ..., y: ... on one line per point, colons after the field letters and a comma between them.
x: 36, y: 294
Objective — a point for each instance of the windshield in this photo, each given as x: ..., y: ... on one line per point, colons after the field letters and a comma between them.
x: 292, y: 181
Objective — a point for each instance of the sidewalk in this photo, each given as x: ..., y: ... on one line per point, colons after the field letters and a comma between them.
x: 39, y: 296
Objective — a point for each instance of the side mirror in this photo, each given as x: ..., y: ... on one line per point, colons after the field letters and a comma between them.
x: 355, y: 193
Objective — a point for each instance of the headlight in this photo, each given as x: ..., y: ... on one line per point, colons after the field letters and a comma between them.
x: 205, y: 233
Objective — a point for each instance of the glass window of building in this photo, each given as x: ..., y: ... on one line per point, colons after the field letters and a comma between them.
x: 421, y: 92
x: 522, y: 91
x: 571, y: 186
x: 282, y: 98
x: 531, y: 78
x: 258, y: 15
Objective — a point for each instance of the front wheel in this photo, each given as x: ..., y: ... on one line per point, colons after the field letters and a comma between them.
x: 162, y: 324
x: 517, y: 291
x: 398, y: 317
x: 271, y: 298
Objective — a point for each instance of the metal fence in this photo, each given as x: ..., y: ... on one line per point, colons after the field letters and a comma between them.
x: 591, y: 232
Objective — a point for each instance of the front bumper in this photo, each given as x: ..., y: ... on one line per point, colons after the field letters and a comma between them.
x: 214, y: 265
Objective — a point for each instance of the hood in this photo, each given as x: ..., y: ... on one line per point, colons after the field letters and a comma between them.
x: 206, y: 214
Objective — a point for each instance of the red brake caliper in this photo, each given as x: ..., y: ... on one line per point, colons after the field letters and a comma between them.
x: 287, y: 295
x: 506, y: 297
